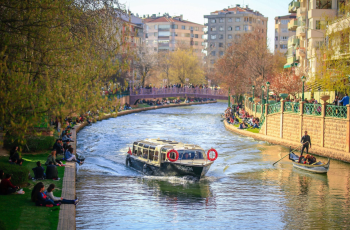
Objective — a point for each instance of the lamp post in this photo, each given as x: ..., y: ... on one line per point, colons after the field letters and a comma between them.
x: 267, y: 91
x: 253, y: 87
x: 303, y: 78
x: 262, y: 99
x: 229, y: 101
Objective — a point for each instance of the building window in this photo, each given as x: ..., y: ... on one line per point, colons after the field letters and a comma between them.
x: 196, y: 43
x: 221, y: 36
x: 284, y: 30
x: 213, y: 28
x: 213, y: 36
x: 155, y: 48
x: 174, y: 27
x: 229, y: 44
x: 183, y: 27
x: 229, y: 36
x: 262, y: 30
x: 221, y: 53
x: 213, y: 20
x: 155, y: 34
x: 212, y: 53
x: 221, y: 28
x: 196, y: 35
x: 284, y: 22
x: 262, y: 22
x: 229, y: 20
x: 203, y: 43
x: 247, y: 28
x: 283, y: 46
x: 155, y: 26
x: 238, y: 28
x: 212, y: 44
x: 203, y: 36
x: 146, y: 35
x: 323, y: 4
x: 238, y: 19
x: 212, y: 62
x: 221, y: 20
x: 284, y: 38
x: 187, y: 35
x: 237, y: 36
x: 229, y: 28
x: 196, y: 28
x: 174, y: 34
x: 320, y: 25
x: 191, y: 28
x: 246, y: 19
x: 276, y: 46
x: 221, y: 44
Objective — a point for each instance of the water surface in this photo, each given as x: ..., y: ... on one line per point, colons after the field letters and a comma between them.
x: 242, y: 190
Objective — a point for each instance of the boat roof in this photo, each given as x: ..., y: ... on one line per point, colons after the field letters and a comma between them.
x: 169, y: 144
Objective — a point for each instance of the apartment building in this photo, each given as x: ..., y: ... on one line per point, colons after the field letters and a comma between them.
x: 165, y: 33
x: 227, y: 26
x: 310, y: 32
x: 133, y: 26
x: 285, y: 27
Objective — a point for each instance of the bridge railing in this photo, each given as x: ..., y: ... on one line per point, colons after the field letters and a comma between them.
x: 162, y: 91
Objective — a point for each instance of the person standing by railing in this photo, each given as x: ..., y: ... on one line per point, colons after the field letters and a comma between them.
x: 345, y: 100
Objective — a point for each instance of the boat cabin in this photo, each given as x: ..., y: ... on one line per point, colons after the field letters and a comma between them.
x: 155, y: 151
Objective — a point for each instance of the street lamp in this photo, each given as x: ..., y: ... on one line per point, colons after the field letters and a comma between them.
x: 303, y: 79
x: 267, y: 89
x: 229, y: 101
x: 253, y: 87
x: 262, y: 99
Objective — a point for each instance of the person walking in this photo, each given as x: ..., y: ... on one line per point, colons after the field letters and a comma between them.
x: 306, y: 141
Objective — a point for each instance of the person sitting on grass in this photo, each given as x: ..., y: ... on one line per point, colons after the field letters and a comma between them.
x: 242, y: 126
x: 39, y: 171
x: 50, y: 195
x: 52, y: 158
x: 39, y: 197
x: 69, y: 156
x: 256, y: 124
x: 51, y: 171
x: 14, y: 155
x: 58, y: 146
x: 6, y: 187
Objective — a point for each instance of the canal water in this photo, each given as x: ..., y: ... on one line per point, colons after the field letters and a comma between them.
x: 242, y: 190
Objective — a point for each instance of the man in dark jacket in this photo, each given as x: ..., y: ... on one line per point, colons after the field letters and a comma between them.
x: 306, y: 141
x: 51, y: 171
x: 58, y: 146
x: 39, y: 171
x: 6, y: 187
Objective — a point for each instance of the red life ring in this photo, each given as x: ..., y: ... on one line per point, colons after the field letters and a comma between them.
x: 216, y: 154
x: 176, y: 153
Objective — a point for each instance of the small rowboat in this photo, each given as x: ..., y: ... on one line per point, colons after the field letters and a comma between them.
x: 317, y: 167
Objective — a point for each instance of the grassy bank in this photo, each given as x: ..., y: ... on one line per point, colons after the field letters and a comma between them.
x: 19, y: 212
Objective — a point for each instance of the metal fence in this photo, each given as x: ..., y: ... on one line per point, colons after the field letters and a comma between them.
x: 258, y: 108
x: 275, y: 108
x: 292, y: 107
x: 312, y: 109
x: 336, y: 111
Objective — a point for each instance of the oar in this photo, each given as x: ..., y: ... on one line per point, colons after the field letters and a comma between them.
x: 289, y: 153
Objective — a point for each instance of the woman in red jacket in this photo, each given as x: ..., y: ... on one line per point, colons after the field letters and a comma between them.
x: 6, y: 187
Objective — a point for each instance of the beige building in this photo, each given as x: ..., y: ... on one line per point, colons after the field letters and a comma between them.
x: 285, y: 27
x: 310, y: 32
x: 165, y: 33
x: 227, y: 25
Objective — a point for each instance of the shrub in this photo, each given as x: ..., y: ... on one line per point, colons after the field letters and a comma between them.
x: 34, y: 143
x: 19, y: 173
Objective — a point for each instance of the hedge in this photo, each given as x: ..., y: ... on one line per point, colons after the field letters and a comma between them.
x: 19, y: 173
x: 34, y: 143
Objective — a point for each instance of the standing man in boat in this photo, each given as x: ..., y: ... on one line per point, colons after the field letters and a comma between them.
x: 306, y: 140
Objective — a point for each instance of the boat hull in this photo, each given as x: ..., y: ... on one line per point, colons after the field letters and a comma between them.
x: 168, y: 168
x: 320, y: 168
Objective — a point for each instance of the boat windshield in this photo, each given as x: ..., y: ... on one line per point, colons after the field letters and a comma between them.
x: 191, y: 154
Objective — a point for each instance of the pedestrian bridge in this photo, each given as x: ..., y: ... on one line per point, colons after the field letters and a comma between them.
x: 154, y: 93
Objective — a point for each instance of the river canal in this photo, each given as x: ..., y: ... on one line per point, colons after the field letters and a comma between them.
x: 242, y: 190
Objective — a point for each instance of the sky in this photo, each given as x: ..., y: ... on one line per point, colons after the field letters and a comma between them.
x: 194, y: 10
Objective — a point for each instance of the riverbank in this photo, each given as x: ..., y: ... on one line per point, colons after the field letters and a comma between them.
x: 68, y: 212
x: 320, y: 151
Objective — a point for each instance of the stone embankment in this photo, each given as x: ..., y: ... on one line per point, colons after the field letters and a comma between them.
x: 68, y: 212
x: 321, y: 151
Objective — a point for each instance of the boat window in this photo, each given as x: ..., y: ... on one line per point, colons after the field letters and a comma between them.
x: 134, y: 150
x: 191, y: 154
x: 152, y: 147
x: 140, y: 144
x: 145, y: 153
x: 155, y: 156
x: 163, y: 156
x: 151, y: 154
x: 139, y: 152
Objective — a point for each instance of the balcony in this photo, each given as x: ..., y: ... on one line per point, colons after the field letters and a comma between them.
x: 322, y: 13
x: 311, y: 33
x: 293, y: 24
x: 293, y: 6
x: 301, y: 31
x: 301, y: 11
x: 293, y: 41
x: 301, y: 52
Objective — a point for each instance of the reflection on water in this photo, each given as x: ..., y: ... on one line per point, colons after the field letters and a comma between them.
x: 242, y: 189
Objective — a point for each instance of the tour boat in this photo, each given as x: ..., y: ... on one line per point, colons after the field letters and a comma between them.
x: 317, y: 167
x: 170, y: 158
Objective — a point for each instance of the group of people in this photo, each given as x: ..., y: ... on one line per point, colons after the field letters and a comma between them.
x: 232, y: 116
x: 46, y: 198
x: 15, y: 157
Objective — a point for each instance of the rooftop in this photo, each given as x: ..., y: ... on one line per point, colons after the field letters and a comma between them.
x: 236, y: 10
x: 167, y: 18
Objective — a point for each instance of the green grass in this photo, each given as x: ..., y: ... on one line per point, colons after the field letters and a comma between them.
x: 249, y: 129
x: 143, y: 106
x: 19, y: 212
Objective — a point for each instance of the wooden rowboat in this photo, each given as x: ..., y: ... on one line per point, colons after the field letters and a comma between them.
x: 317, y: 167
